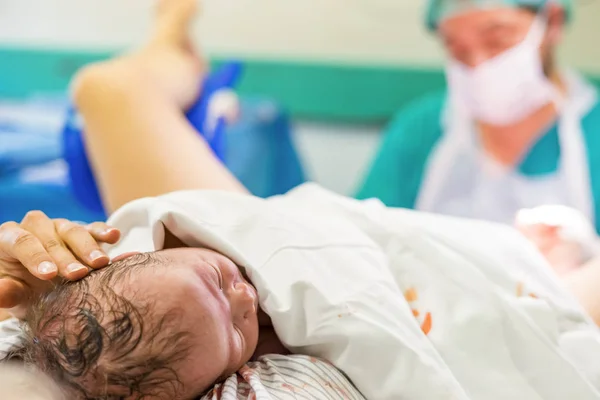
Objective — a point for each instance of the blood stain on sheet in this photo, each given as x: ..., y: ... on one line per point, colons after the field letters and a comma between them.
x: 520, y: 289
x: 426, y: 325
x: 411, y: 295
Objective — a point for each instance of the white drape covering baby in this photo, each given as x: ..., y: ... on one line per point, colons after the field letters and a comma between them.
x: 408, y: 305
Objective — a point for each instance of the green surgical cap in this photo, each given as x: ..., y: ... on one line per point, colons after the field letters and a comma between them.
x: 440, y: 9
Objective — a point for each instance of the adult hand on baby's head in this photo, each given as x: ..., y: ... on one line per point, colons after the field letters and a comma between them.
x: 39, y: 249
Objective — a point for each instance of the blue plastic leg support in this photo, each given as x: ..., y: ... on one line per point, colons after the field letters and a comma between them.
x: 80, y: 172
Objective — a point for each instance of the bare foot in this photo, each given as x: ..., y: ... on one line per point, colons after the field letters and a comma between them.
x: 170, y: 56
x: 167, y: 61
x: 173, y: 21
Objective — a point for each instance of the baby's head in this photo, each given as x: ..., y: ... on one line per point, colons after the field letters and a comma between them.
x: 164, y: 325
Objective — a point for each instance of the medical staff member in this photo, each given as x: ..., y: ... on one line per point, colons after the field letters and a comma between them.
x: 515, y: 130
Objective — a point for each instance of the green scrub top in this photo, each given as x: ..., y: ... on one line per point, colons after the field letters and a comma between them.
x: 396, y: 175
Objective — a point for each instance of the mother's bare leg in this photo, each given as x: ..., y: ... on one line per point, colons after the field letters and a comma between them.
x: 139, y: 142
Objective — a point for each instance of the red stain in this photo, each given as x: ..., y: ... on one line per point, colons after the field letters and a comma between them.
x: 411, y: 295
x: 426, y: 325
x: 520, y: 289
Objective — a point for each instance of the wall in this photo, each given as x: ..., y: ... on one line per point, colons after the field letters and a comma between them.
x: 356, y: 31
x: 336, y: 155
x: 349, y: 30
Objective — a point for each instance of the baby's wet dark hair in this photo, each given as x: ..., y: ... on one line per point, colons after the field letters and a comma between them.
x: 97, y: 340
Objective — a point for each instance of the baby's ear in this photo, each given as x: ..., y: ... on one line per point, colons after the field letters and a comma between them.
x: 125, y: 256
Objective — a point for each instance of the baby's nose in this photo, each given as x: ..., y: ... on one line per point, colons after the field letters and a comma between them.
x: 243, y: 301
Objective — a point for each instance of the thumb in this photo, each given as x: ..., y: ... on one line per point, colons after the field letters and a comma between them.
x: 12, y: 293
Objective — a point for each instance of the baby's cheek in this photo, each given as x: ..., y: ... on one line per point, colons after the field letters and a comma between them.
x: 253, y: 336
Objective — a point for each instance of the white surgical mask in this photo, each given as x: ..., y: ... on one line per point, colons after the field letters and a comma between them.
x: 507, y: 88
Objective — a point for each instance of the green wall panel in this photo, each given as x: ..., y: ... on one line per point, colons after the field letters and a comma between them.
x: 310, y: 90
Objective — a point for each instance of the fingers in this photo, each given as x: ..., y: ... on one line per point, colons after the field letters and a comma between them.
x: 12, y: 293
x: 17, y: 244
x: 83, y: 243
x: 104, y: 233
x: 48, y: 248
x: 44, y: 229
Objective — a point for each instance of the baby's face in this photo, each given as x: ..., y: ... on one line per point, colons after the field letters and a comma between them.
x: 218, y: 308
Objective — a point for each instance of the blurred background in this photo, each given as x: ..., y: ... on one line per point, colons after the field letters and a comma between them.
x: 337, y: 69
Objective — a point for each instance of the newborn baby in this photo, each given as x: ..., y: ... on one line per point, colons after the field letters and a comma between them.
x: 166, y: 324
x: 407, y: 305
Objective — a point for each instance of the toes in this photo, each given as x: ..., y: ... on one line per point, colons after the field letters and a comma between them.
x: 173, y: 20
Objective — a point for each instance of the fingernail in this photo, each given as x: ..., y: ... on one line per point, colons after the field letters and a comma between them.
x: 109, y: 231
x: 96, y: 254
x: 46, y: 267
x: 75, y: 267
